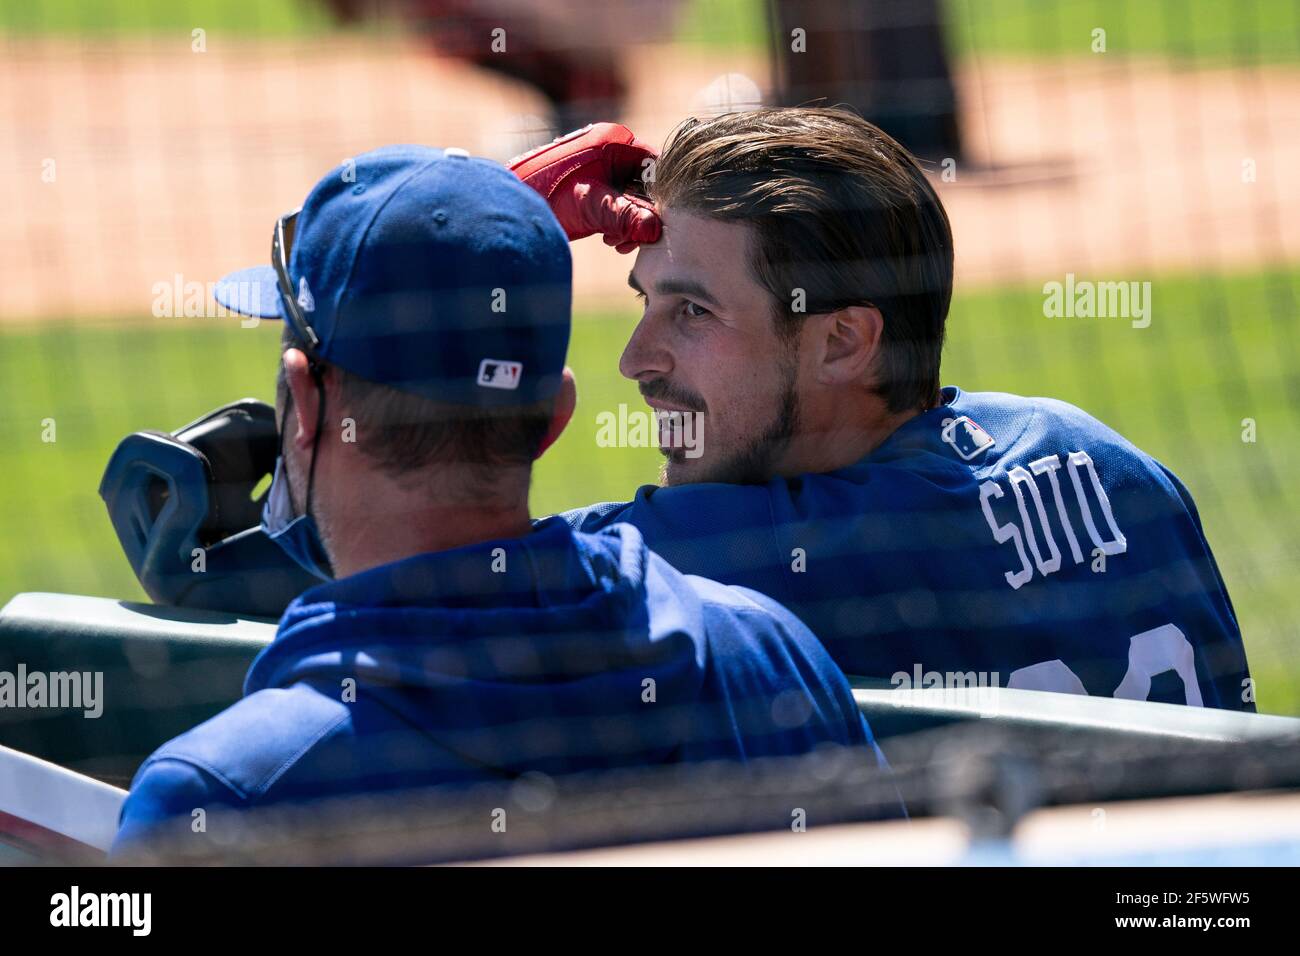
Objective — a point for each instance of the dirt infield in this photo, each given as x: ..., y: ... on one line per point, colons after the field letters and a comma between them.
x: 129, y: 163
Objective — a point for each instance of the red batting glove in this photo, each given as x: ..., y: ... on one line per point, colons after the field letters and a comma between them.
x: 582, y: 176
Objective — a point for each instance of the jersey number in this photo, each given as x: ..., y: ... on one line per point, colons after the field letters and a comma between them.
x: 1152, y: 652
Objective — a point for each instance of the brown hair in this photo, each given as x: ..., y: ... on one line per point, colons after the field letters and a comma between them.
x: 405, y: 433
x: 841, y: 211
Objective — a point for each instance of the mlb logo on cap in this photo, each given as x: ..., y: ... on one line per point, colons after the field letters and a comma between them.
x: 495, y: 373
x: 966, y: 437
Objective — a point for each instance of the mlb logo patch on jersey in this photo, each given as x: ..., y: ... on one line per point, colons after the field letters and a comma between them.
x: 966, y: 437
x: 496, y: 373
x: 306, y: 301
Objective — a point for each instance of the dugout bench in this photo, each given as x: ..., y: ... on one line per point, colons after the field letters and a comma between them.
x: 167, y: 669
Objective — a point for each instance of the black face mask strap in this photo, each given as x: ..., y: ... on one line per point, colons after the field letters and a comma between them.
x: 317, y: 375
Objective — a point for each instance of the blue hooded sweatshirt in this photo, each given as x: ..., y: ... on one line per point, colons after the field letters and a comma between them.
x: 556, y: 652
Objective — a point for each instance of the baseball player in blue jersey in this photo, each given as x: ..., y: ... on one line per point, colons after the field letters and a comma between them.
x: 794, y: 309
x: 459, y: 642
x: 795, y: 268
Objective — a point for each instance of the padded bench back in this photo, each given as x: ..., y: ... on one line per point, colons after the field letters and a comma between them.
x: 165, y: 670
x: 1039, y: 719
x: 895, y: 711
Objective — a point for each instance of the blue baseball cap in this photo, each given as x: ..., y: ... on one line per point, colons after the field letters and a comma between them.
x: 428, y: 270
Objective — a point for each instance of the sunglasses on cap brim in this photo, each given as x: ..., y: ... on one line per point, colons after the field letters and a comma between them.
x: 281, y: 248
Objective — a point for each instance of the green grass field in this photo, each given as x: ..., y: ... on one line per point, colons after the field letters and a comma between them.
x: 1240, y: 30
x: 1244, y: 30
x: 102, y: 17
x: 1219, y: 350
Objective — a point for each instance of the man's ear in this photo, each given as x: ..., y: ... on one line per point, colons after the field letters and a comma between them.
x: 565, y: 402
x: 301, y: 428
x: 850, y: 344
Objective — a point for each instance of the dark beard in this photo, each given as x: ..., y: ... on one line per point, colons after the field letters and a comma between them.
x: 755, y: 463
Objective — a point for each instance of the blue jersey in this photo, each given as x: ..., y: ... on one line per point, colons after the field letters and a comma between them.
x: 555, y: 652
x: 1011, y: 540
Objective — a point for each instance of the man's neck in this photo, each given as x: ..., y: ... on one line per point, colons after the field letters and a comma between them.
x: 840, y: 442
x: 366, y: 535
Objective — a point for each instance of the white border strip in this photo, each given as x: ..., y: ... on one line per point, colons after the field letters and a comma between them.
x: 58, y: 799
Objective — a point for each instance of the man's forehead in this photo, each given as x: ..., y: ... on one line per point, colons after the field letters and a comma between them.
x: 693, y: 250
x: 688, y: 231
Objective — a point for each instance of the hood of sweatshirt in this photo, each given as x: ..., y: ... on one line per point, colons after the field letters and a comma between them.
x: 583, y: 630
